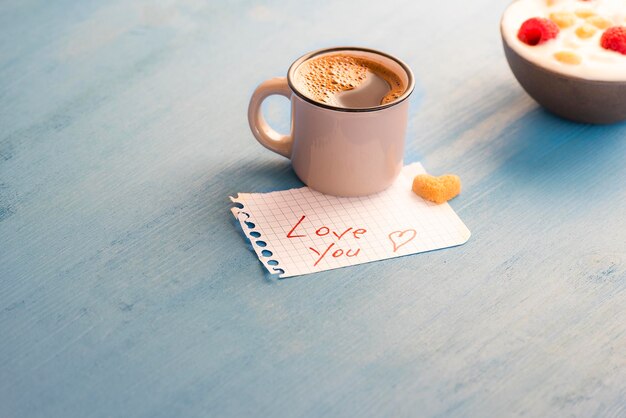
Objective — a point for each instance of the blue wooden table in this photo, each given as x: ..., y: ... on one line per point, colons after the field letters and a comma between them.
x: 127, y: 290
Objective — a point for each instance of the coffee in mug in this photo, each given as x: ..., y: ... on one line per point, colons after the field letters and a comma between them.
x: 348, y: 81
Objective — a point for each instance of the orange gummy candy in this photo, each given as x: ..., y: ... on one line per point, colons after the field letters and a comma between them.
x: 437, y: 189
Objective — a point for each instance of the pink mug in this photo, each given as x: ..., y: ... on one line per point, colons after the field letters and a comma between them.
x: 334, y: 150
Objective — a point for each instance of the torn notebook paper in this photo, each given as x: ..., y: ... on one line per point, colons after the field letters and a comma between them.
x: 301, y: 231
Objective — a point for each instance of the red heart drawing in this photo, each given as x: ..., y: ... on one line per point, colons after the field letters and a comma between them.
x: 400, y: 238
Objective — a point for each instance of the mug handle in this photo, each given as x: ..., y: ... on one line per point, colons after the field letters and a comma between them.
x: 268, y: 137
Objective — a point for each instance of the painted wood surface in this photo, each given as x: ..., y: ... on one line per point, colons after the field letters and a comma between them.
x: 126, y: 289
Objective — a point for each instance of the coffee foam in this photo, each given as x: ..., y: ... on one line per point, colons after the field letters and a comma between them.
x: 324, y: 78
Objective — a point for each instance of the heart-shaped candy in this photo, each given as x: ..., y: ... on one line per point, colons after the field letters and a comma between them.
x: 437, y: 189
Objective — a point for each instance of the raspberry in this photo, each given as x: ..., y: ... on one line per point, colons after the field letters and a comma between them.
x: 614, y: 39
x: 537, y: 30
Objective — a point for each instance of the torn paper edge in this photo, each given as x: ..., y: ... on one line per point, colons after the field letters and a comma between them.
x: 248, y: 226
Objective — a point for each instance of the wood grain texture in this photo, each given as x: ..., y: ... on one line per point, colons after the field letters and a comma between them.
x: 126, y: 289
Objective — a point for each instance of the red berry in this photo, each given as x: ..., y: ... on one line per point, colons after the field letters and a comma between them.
x: 614, y: 39
x: 537, y: 30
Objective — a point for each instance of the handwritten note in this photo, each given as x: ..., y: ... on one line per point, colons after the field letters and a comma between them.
x: 301, y: 231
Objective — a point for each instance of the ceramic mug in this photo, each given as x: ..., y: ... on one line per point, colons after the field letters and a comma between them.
x: 334, y: 150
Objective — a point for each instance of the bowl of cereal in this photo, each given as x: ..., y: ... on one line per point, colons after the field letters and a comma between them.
x: 570, y: 56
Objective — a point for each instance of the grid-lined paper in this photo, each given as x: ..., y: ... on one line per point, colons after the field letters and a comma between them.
x: 301, y: 231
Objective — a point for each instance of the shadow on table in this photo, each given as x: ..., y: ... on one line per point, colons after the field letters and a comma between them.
x: 259, y: 176
x: 552, y: 152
